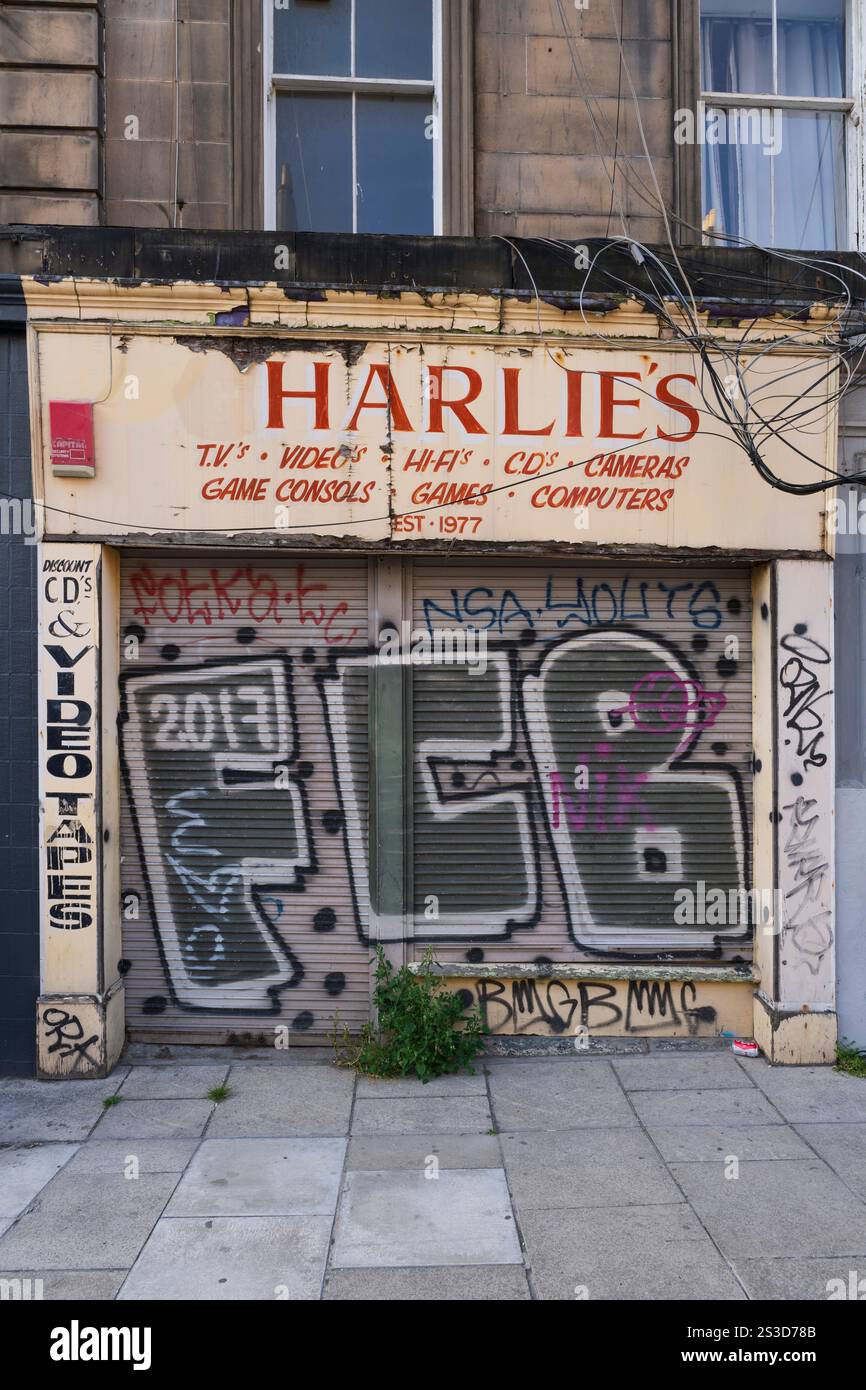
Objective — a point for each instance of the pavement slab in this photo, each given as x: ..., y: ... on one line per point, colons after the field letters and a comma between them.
x: 802, y: 1280
x: 716, y: 1143
x: 785, y: 1208
x: 376, y: 1152
x: 172, y: 1083
x: 76, y: 1224
x: 401, y: 1087
x: 557, y: 1094
x: 227, y: 1258
x: 632, y: 1253
x: 585, y: 1168
x: 25, y: 1170
x: 442, y: 1284
x: 805, y: 1095
x: 52, y: 1110
x: 281, y: 1101
x: 736, y: 1105
x: 393, y: 1219
x: 698, y: 1072
x: 843, y: 1148
x: 123, y: 1156
x: 261, y: 1177
x: 410, y: 1115
x: 155, y: 1119
x: 249, y: 1077
x: 203, y: 1054
x: 73, y: 1285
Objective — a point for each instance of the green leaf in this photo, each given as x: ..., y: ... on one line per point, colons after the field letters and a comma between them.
x: 421, y: 1028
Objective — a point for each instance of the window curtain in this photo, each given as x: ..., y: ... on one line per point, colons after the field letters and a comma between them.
x: 795, y: 198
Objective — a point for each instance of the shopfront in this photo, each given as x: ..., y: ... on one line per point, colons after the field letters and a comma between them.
x: 430, y: 620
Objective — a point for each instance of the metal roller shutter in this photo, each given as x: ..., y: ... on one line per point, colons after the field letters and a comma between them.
x: 244, y: 743
x: 600, y: 763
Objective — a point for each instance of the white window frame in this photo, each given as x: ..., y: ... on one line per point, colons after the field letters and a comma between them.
x: 275, y: 83
x: 851, y: 106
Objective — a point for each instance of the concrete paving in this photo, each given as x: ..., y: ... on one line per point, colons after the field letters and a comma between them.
x: 626, y: 1252
x: 34, y: 1111
x: 282, y: 1102
x: 25, y: 1171
x: 229, y: 1258
x: 261, y: 1177
x: 455, y: 1217
x: 683, y: 1174
x: 445, y: 1284
x: 410, y: 1115
x: 585, y: 1168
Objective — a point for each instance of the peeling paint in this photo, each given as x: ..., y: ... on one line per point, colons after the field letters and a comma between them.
x: 237, y: 317
x: 248, y: 352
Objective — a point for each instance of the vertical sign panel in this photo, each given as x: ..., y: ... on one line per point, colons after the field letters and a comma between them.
x: 68, y: 783
x: 804, y: 677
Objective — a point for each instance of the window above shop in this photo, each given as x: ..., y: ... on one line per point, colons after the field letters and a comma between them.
x: 353, y: 116
x: 779, y: 124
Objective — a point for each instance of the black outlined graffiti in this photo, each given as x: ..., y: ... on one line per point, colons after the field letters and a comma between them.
x: 203, y: 735
x: 499, y: 764
x: 518, y: 1006
x: 635, y: 774
x: 67, y: 1034
x: 562, y: 1007
x: 471, y: 783
x: 806, y: 924
x: 801, y: 678
x: 343, y: 687
x: 656, y: 1005
x: 245, y: 909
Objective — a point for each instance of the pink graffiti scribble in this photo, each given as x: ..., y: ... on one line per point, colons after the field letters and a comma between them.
x: 251, y: 595
x: 662, y: 702
x: 613, y: 806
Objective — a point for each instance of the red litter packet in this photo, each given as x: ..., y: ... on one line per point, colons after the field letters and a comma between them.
x: 745, y: 1047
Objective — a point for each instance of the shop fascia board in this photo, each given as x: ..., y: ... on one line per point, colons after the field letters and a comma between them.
x: 73, y: 303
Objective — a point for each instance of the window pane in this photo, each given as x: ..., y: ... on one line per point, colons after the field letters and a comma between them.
x: 314, y: 162
x: 792, y: 196
x: 809, y: 182
x: 811, y: 48
x: 395, y: 165
x: 736, y: 184
x: 736, y: 45
x: 313, y: 36
x: 394, y: 38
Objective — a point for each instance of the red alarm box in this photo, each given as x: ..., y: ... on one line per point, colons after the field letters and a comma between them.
x: 72, y: 452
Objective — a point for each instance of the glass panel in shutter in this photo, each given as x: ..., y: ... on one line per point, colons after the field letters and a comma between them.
x: 313, y: 37
x: 314, y: 162
x: 394, y: 38
x: 395, y: 165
